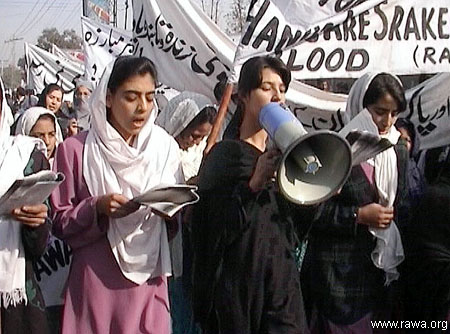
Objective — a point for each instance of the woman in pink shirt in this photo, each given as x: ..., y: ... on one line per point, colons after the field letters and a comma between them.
x: 117, y: 282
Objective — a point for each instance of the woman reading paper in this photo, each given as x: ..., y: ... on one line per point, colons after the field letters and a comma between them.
x: 121, y: 259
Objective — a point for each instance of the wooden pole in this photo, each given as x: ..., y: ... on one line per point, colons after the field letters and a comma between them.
x: 212, y: 138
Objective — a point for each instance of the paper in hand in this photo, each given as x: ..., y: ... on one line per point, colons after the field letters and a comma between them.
x: 365, y: 145
x: 31, y: 190
x: 166, y: 200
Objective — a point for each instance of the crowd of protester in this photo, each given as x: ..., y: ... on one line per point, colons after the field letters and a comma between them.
x: 244, y: 259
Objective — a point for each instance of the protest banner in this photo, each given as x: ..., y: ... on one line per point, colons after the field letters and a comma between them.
x: 192, y: 53
x: 396, y: 36
x: 102, y: 44
x: 429, y: 111
x: 51, y: 271
x: 44, y: 68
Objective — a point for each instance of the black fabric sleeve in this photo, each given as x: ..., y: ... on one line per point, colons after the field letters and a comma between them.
x: 35, y: 238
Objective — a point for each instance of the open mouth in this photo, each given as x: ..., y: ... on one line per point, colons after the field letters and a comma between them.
x: 138, y: 122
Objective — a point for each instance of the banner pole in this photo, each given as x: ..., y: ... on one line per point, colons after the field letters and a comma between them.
x: 223, y: 108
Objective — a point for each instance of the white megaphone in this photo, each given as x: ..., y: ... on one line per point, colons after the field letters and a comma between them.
x: 314, y: 166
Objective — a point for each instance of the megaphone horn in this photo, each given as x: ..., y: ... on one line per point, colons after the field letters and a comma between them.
x: 314, y: 166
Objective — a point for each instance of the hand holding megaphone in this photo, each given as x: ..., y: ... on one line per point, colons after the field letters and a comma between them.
x: 265, y: 168
x: 313, y: 166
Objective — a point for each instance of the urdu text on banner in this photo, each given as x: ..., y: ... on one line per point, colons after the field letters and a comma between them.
x: 44, y: 68
x: 102, y: 44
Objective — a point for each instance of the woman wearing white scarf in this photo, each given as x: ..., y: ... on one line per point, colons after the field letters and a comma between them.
x: 188, y: 117
x: 23, y: 235
x: 51, y: 135
x: 120, y: 252
x: 356, y: 245
x: 388, y: 253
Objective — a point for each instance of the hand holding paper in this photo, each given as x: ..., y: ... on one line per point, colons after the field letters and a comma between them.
x: 31, y: 191
x: 116, y: 206
x: 166, y: 200
x: 31, y: 215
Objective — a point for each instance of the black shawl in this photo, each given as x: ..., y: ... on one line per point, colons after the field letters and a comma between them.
x: 245, y: 278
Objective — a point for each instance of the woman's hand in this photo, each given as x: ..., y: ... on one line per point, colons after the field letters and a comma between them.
x: 265, y: 169
x: 31, y: 215
x: 115, y: 206
x: 375, y: 215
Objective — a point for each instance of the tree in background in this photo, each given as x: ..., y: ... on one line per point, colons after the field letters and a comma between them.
x: 237, y: 16
x: 11, y: 76
x: 67, y: 40
x: 212, y: 9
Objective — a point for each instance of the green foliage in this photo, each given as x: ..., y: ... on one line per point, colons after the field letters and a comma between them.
x: 67, y: 40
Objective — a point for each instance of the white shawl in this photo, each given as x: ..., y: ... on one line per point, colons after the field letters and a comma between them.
x: 15, y: 153
x: 175, y: 117
x: 138, y: 241
x: 388, y: 252
x: 29, y: 119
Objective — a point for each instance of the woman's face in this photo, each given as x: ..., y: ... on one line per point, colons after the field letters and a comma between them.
x: 130, y: 106
x: 193, y: 136
x: 405, y: 135
x: 53, y: 100
x: 45, y: 129
x: 384, y: 113
x: 82, y: 92
x: 272, y: 89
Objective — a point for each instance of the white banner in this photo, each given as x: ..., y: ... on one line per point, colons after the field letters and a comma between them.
x: 75, y: 57
x: 192, y: 53
x: 102, y: 44
x: 277, y: 26
x: 396, y: 36
x: 44, y: 68
x: 182, y: 55
x: 429, y: 110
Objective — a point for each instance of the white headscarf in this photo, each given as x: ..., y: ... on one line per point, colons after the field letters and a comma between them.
x: 7, y: 109
x: 15, y: 153
x: 388, y: 252
x: 81, y: 106
x: 175, y: 117
x: 181, y: 110
x: 29, y: 119
x: 138, y: 241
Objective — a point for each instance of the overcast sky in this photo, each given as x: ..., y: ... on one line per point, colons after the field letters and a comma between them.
x: 25, y: 20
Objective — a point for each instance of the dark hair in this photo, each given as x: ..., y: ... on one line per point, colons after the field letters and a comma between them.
x: 382, y: 84
x: 44, y: 117
x: 47, y: 90
x: 126, y: 67
x: 206, y: 115
x: 20, y: 91
x: 404, y: 123
x: 250, y: 77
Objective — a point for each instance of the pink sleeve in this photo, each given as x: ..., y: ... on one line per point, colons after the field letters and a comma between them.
x: 75, y: 216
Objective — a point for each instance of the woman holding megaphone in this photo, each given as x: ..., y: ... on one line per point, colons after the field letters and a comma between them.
x: 355, y: 245
x: 245, y: 277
